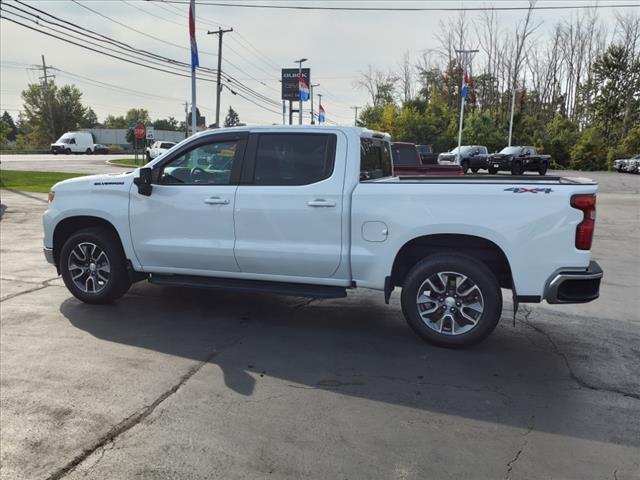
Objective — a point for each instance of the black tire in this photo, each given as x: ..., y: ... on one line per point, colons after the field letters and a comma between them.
x: 517, y: 168
x: 477, y: 272
x: 55, y: 152
x: 475, y: 169
x: 88, y: 151
x: 148, y: 157
x: 465, y: 166
x: 118, y: 282
x: 67, y: 151
x: 543, y: 169
x: 492, y: 171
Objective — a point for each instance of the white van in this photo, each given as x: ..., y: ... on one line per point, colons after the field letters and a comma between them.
x: 73, y: 142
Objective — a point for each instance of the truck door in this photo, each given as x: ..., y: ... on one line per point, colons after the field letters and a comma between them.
x: 288, y: 212
x: 186, y: 224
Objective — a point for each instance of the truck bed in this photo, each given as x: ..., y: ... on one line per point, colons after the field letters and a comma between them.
x: 490, y: 179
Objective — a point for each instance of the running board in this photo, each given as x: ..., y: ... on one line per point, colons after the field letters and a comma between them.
x: 240, y: 285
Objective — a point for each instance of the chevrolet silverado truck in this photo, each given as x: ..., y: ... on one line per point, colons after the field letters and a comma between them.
x: 518, y: 160
x: 471, y: 157
x: 316, y: 211
x: 407, y: 162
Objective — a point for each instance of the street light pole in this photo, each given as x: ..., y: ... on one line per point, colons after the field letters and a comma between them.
x: 311, y: 85
x: 299, y: 62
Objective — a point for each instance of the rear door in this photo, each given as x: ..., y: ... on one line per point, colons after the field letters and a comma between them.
x: 288, y: 207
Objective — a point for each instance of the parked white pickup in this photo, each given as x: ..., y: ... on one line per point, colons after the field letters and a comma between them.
x: 314, y: 211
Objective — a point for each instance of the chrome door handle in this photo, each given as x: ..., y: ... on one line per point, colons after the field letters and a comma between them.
x: 321, y: 202
x: 216, y: 201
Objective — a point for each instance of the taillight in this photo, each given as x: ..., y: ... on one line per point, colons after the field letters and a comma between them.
x: 584, y: 230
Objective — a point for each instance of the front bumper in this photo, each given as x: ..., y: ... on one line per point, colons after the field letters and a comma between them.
x: 575, y: 286
x: 48, y: 254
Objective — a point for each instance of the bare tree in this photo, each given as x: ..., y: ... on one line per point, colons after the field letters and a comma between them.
x: 406, y: 77
x: 523, y: 32
x: 379, y: 85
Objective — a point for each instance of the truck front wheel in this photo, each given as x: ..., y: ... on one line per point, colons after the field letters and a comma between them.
x: 451, y: 300
x: 93, y: 266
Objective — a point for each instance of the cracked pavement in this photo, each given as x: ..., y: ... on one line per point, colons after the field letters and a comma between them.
x: 173, y: 383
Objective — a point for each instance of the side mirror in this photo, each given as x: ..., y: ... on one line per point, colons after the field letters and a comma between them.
x: 144, y: 181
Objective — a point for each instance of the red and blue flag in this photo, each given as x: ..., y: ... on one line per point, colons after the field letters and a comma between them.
x: 321, y: 114
x: 304, y: 88
x: 192, y: 35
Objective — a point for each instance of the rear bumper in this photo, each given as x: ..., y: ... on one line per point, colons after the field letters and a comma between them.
x: 574, y: 286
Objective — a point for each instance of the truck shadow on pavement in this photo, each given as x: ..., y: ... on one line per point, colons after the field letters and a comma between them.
x: 362, y: 348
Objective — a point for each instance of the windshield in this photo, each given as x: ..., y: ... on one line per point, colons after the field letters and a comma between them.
x: 511, y: 150
x: 463, y: 150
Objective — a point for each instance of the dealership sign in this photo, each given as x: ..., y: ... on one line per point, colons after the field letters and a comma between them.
x: 290, y: 87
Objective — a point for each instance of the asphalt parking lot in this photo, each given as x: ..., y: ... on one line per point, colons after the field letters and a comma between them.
x: 172, y: 383
x: 63, y: 163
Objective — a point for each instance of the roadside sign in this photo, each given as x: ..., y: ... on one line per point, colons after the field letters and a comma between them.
x: 138, y: 131
x: 290, y: 89
x: 150, y: 133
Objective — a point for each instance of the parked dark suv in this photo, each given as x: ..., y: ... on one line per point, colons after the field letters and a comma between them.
x: 472, y: 157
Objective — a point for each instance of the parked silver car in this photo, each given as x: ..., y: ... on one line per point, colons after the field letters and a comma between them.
x: 629, y: 165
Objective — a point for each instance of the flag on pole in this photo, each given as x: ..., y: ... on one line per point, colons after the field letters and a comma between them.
x: 192, y: 35
x: 465, y: 85
x: 321, y: 114
x: 304, y: 88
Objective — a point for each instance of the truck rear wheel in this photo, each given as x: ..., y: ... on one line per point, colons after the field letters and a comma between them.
x: 93, y: 266
x: 492, y: 171
x: 451, y: 300
x: 475, y: 169
x: 465, y: 166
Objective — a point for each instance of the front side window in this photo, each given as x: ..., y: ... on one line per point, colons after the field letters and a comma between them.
x: 293, y: 159
x: 208, y: 164
x: 375, y: 159
x: 167, y: 146
x: 72, y: 141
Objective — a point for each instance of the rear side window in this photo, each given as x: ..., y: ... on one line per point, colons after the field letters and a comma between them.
x: 294, y: 159
x: 404, y: 155
x: 375, y: 159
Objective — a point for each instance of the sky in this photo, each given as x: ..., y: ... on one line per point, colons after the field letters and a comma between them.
x: 338, y: 44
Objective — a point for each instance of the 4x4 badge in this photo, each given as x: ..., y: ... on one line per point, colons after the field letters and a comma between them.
x: 528, y: 190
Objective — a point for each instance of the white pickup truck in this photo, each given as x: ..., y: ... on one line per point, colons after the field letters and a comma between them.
x: 315, y: 211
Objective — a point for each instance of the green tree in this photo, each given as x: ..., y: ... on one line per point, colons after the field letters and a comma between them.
x: 166, y: 124
x: 615, y: 88
x: 480, y: 129
x: 590, y: 152
x: 13, y: 130
x: 232, y: 119
x: 115, y: 122
x: 5, y: 130
x: 51, y: 111
x: 90, y: 119
x: 560, y: 135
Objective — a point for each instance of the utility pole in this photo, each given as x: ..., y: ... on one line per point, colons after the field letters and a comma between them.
x: 466, y: 56
x: 219, y: 32
x: 186, y: 119
x: 355, y: 120
x: 311, y: 85
x: 45, y: 86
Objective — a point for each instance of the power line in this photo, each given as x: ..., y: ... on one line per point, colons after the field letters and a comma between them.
x: 170, y: 63
x: 396, y: 9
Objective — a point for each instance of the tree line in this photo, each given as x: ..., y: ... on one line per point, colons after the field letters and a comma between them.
x: 575, y: 90
x: 50, y: 111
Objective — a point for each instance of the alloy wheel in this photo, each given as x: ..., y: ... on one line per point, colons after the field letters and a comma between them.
x: 450, y: 303
x: 89, y: 267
